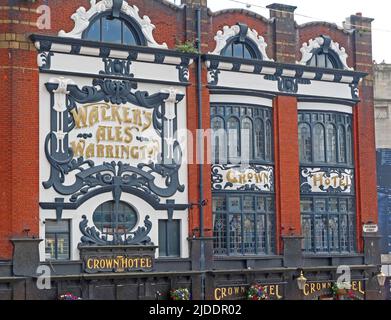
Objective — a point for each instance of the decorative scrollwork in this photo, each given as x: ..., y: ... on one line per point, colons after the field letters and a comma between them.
x: 91, y: 236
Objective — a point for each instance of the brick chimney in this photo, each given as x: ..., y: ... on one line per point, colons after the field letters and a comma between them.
x: 284, y: 31
x: 191, y: 26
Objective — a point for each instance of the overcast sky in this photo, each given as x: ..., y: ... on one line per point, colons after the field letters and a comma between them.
x: 332, y: 11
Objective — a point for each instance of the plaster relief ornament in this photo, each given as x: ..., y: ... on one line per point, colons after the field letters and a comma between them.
x: 307, y: 51
x: 82, y: 19
x: 222, y: 38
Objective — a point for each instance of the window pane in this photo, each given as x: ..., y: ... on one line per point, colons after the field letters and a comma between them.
x: 306, y: 205
x: 319, y: 143
x: 163, y: 238
x: 173, y: 236
x: 259, y: 140
x: 235, y: 234
x: 50, y: 246
x: 220, y: 234
x: 333, y: 233
x: 63, y: 247
x: 228, y: 51
x: 307, y: 227
x: 247, y: 53
x: 219, y: 204
x: 349, y: 146
x: 305, y: 143
x: 111, y: 30
x: 238, y: 50
x: 93, y: 33
x: 218, y: 140
x: 249, y: 233
x: 269, y: 155
x: 233, y: 138
x: 169, y: 238
x: 321, y: 242
x: 248, y: 204
x: 261, y: 236
x: 234, y: 204
x: 331, y: 144
x: 341, y: 144
x: 247, y: 140
x: 128, y: 36
x: 52, y: 226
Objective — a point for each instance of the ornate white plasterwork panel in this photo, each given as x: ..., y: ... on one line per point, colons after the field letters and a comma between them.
x: 223, y: 36
x: 82, y: 18
x: 308, y: 48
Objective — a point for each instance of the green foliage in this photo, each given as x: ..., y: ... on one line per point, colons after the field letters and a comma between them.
x: 187, y: 47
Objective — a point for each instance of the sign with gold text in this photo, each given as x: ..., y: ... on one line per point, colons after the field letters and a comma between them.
x: 317, y: 288
x: 275, y: 291
x: 96, y: 264
x: 317, y: 180
x: 107, y: 132
x: 238, y: 178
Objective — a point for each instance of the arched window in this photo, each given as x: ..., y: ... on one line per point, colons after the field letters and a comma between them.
x: 323, y: 60
x: 123, y: 30
x: 323, y: 56
x: 111, y: 220
x: 247, y: 139
x: 305, y: 142
x: 319, y: 143
x: 233, y: 127
x: 259, y: 139
x: 331, y: 142
x: 341, y: 144
x: 243, y: 50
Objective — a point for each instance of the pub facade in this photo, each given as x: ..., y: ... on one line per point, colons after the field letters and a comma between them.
x: 154, y: 147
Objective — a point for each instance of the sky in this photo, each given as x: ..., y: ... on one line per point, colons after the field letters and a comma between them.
x: 335, y: 11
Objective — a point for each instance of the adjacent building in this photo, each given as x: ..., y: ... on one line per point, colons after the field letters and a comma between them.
x: 103, y: 119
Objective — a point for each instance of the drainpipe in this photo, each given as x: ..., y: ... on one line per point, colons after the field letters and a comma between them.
x: 200, y: 152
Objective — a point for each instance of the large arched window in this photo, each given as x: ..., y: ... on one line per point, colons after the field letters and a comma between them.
x: 122, y: 30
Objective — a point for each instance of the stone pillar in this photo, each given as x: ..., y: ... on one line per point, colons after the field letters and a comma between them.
x: 284, y: 32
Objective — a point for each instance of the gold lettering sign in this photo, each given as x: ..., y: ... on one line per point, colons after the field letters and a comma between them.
x: 239, y: 292
x: 115, y: 132
x: 317, y: 287
x: 234, y: 177
x: 320, y: 181
x: 118, y: 264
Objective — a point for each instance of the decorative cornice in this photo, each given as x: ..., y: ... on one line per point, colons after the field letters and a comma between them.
x: 307, y: 51
x: 222, y: 37
x: 82, y: 18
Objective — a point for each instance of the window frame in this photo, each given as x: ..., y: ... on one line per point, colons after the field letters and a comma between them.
x: 247, y: 44
x: 55, y: 234
x: 269, y: 218
x: 265, y: 114
x: 132, y: 25
x: 348, y: 126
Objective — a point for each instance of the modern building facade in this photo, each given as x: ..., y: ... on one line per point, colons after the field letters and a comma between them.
x: 108, y: 185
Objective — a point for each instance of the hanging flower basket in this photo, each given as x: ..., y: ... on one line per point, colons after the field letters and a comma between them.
x: 180, y: 294
x: 68, y: 296
x: 257, y: 292
x: 342, y: 291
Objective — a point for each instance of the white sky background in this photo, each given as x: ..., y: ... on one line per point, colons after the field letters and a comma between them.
x: 335, y: 11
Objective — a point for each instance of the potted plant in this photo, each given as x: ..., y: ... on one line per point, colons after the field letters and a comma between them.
x: 180, y: 294
x: 341, y: 289
x: 257, y: 292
